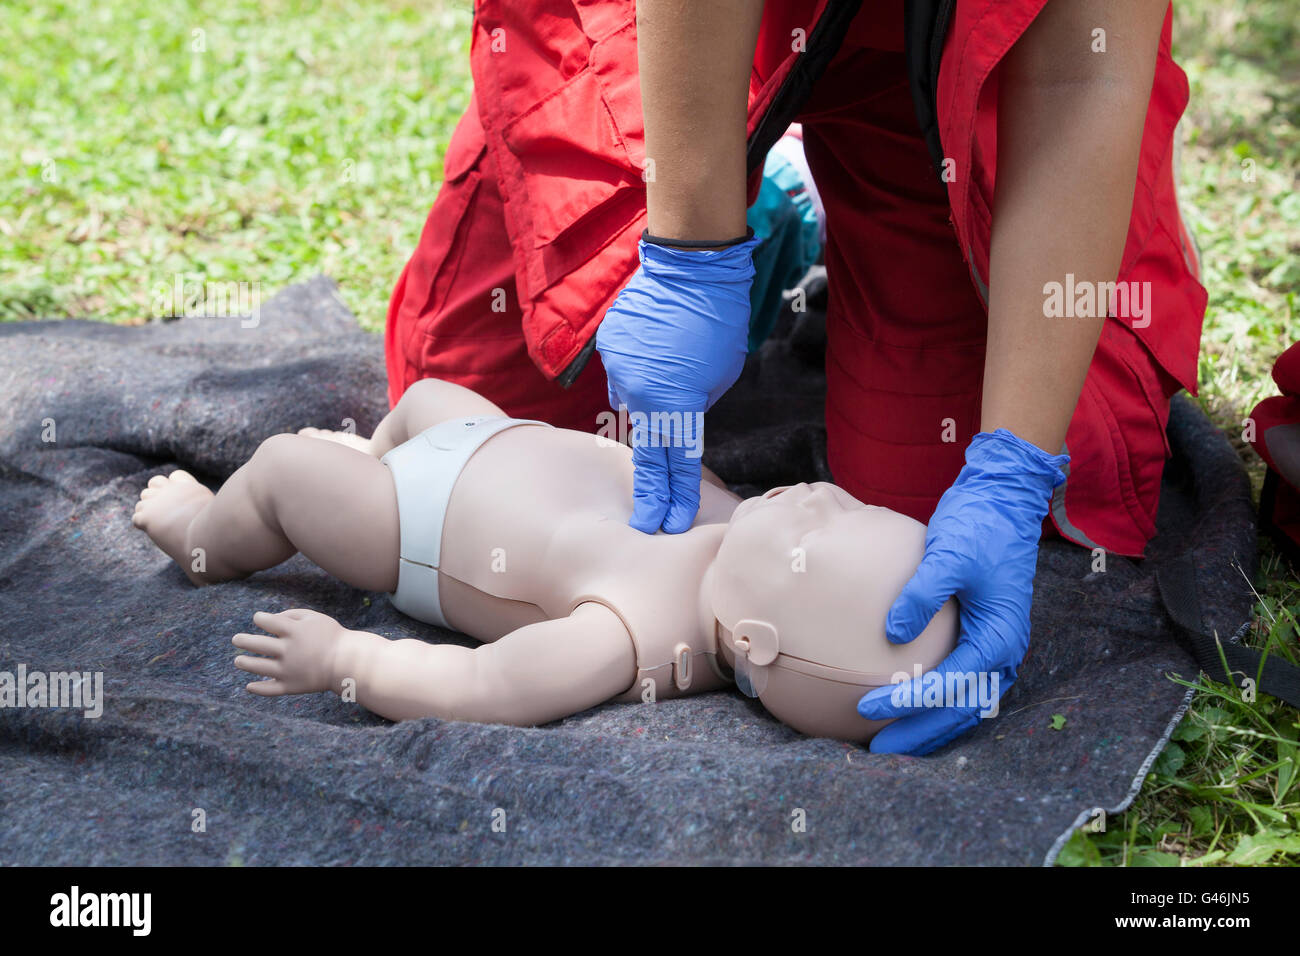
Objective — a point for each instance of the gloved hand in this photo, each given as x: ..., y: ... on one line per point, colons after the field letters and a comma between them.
x: 673, y: 341
x: 982, y: 547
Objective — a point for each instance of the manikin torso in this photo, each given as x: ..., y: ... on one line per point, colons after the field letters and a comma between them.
x: 537, y: 523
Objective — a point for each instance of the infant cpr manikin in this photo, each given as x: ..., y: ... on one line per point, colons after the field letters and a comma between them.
x: 516, y: 533
x: 810, y: 642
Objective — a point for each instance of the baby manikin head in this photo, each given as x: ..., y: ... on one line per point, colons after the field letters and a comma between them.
x: 803, y: 581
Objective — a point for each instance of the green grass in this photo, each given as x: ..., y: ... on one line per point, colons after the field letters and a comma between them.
x: 308, y: 137
x: 1225, y: 790
x: 233, y: 141
x: 1244, y: 69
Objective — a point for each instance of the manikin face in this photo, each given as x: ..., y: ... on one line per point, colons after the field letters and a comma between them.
x: 801, y: 506
x: 823, y: 569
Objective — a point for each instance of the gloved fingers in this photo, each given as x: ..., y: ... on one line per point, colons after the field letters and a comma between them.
x: 954, y: 684
x: 969, y: 658
x: 922, y: 596
x: 995, y: 630
x: 923, y: 733
x: 650, y: 483
x: 684, y: 474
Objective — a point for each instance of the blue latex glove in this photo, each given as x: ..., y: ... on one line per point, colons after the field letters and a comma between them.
x: 982, y: 547
x: 673, y: 341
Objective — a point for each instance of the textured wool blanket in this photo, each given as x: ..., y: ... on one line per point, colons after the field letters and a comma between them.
x: 183, y: 766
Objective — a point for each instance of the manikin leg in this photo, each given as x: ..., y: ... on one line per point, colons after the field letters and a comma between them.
x: 326, y: 498
x: 327, y: 495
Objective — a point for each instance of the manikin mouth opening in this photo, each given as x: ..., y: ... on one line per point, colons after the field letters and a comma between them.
x: 751, y: 679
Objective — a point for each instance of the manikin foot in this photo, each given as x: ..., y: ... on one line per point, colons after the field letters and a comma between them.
x: 165, y: 510
x: 350, y: 439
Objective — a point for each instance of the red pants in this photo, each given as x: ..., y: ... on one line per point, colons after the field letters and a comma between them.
x: 455, y: 312
x: 534, y: 232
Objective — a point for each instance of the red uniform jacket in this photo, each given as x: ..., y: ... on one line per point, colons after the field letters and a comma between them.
x: 557, y: 124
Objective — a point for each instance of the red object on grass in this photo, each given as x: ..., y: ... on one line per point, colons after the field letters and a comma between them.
x: 1275, y: 436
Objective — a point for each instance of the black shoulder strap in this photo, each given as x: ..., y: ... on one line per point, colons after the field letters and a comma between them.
x: 823, y: 43
x: 925, y: 25
x: 1228, y: 663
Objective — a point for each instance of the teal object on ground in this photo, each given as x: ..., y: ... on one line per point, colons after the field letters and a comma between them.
x: 784, y: 218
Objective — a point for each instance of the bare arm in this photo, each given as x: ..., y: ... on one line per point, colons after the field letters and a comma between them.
x: 1069, y: 132
x: 534, y: 675
x: 695, y: 61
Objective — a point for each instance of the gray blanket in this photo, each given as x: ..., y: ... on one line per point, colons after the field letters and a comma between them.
x: 709, y: 779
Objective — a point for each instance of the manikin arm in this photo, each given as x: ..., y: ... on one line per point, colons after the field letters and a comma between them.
x: 533, y: 675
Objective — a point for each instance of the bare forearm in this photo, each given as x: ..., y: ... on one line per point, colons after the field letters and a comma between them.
x: 695, y: 60
x: 1069, y: 133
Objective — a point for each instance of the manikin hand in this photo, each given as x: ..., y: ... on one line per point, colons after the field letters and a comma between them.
x: 673, y: 341
x: 982, y: 547
x: 299, y: 659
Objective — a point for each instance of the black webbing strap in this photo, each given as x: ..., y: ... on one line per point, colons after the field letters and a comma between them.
x: 823, y: 43
x: 1176, y: 580
x: 925, y: 25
